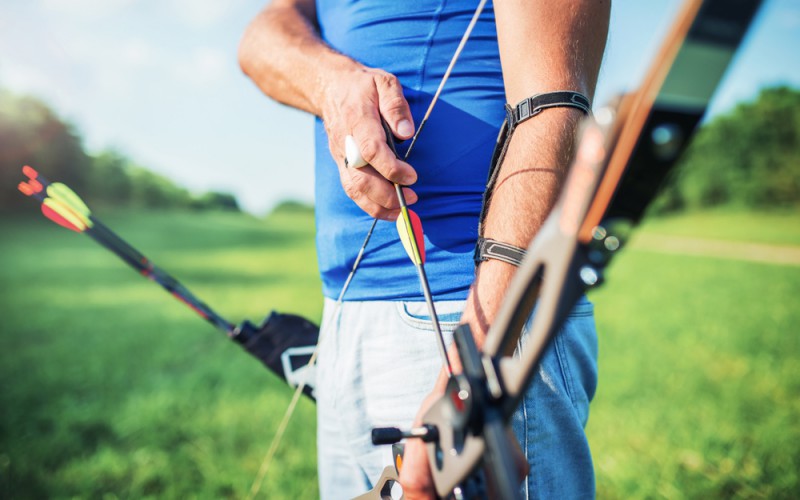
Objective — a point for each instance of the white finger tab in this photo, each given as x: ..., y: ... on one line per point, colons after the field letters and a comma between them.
x: 352, y: 153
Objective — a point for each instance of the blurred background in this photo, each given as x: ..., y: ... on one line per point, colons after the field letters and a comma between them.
x: 109, y: 388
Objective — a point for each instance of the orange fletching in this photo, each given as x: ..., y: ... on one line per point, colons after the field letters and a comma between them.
x: 29, y: 172
x: 25, y: 188
x: 35, y: 185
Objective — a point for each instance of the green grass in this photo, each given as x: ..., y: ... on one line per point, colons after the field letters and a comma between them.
x: 110, y: 388
x: 778, y: 227
x: 699, y: 379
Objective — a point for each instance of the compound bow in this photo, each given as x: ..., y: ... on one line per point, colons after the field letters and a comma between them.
x: 623, y: 155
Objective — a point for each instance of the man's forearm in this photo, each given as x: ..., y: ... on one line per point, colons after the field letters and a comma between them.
x: 544, y: 47
x: 282, y: 53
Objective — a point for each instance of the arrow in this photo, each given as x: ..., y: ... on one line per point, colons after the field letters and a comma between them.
x: 277, y: 336
x: 410, y: 231
x: 409, y: 228
x: 63, y: 206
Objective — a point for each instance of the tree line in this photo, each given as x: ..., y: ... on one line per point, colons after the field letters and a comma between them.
x: 748, y: 157
x: 31, y: 133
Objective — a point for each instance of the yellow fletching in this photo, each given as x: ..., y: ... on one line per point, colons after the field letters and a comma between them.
x: 65, y: 212
x: 67, y: 197
x: 409, y: 228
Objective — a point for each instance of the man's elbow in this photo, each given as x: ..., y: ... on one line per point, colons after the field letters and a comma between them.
x: 246, y: 53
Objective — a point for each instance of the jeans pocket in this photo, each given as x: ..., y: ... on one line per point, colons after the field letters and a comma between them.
x: 582, y: 308
x: 570, y: 361
x: 417, y: 316
x: 576, y: 350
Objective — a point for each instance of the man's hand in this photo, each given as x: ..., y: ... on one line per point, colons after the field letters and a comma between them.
x: 349, y: 97
x: 353, y: 102
x: 415, y: 476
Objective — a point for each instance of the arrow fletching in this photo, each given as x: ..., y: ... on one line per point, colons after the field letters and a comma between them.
x: 35, y: 185
x: 62, y: 215
x: 25, y: 189
x: 30, y: 172
x: 409, y: 227
x: 70, y: 199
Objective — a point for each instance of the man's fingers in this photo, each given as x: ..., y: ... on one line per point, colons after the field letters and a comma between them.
x: 393, y: 106
x: 415, y: 477
x: 370, y: 191
x: 358, y: 141
x: 371, y: 141
x: 410, y: 196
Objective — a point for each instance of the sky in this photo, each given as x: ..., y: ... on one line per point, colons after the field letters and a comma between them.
x: 159, y: 81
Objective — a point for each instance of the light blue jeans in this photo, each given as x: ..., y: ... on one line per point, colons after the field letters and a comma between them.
x: 378, y: 360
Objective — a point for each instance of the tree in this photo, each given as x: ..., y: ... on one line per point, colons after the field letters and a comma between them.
x: 214, y: 200
x: 150, y: 190
x: 111, y: 182
x: 748, y: 157
x: 30, y: 133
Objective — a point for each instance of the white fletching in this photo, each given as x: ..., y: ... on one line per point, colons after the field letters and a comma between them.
x: 352, y: 153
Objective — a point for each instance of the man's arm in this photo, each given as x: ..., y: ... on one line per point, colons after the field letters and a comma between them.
x: 281, y: 51
x: 544, y: 46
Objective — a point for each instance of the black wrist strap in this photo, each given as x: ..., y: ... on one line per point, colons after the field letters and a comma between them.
x: 491, y: 249
x: 532, y: 106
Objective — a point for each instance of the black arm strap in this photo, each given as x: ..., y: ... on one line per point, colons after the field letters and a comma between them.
x: 491, y: 249
x: 524, y: 110
x: 532, y: 106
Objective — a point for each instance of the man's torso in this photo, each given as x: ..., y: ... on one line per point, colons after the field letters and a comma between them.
x: 415, y: 40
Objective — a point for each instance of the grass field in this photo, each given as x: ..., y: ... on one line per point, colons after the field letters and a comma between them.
x: 112, y: 389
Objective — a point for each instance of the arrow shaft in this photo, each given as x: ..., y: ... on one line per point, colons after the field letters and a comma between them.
x: 416, y: 256
x: 135, y: 259
x: 107, y: 238
x: 426, y: 291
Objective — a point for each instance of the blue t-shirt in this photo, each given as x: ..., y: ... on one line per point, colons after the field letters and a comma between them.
x: 415, y: 40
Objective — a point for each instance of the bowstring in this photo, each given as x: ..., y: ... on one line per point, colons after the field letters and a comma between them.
x: 287, y: 416
x: 446, y: 75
